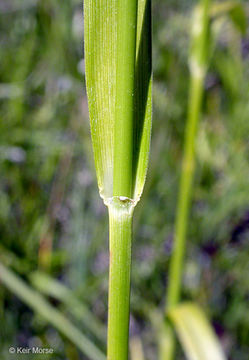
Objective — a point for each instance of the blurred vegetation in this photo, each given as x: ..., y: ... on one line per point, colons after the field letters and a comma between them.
x: 51, y: 217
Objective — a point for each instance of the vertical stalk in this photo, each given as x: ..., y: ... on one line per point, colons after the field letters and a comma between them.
x: 124, y: 108
x: 120, y: 132
x: 185, y: 192
x: 198, y: 64
x: 184, y: 199
x: 120, y: 225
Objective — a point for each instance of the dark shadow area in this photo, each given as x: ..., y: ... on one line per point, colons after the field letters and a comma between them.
x: 142, y: 80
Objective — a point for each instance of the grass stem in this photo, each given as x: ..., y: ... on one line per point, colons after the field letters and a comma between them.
x: 176, y: 264
x: 120, y: 225
x: 198, y: 64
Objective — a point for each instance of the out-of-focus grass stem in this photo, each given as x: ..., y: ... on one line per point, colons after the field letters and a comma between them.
x: 186, y: 181
x: 198, y: 64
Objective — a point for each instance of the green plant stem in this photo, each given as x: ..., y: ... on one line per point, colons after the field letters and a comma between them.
x: 120, y: 225
x: 167, y: 339
x: 198, y: 65
x: 38, y: 303
x: 124, y: 108
x: 176, y: 264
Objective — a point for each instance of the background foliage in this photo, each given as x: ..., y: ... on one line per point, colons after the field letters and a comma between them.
x: 51, y: 217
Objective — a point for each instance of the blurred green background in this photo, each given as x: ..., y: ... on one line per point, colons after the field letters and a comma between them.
x: 51, y: 216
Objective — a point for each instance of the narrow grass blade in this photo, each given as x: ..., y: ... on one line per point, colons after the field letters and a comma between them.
x: 195, y: 333
x: 51, y: 287
x: 100, y: 35
x: 39, y: 304
x: 143, y: 98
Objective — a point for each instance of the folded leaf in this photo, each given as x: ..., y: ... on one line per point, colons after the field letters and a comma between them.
x: 195, y: 333
x: 101, y: 44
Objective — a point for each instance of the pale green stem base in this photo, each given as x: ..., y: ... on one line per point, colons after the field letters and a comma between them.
x: 120, y: 225
x: 167, y: 342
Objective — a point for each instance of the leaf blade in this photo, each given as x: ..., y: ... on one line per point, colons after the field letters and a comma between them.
x: 100, y: 66
x: 195, y: 333
x: 101, y: 73
x: 40, y: 305
x: 143, y: 98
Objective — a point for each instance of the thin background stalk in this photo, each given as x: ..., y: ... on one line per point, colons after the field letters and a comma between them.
x: 185, y: 192
x: 198, y: 63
